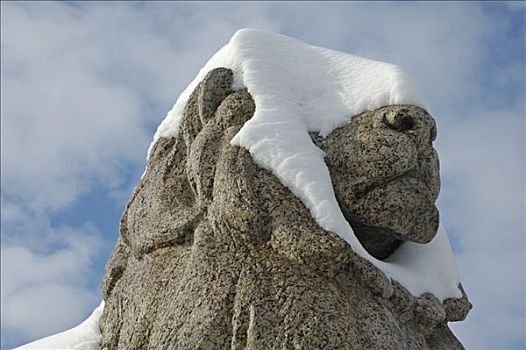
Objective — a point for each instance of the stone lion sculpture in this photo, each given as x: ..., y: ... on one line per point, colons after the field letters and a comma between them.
x: 215, y: 253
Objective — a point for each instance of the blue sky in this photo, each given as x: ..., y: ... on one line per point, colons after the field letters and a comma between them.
x: 84, y: 86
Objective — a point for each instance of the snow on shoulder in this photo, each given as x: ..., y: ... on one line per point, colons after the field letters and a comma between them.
x: 85, y: 336
x: 299, y: 88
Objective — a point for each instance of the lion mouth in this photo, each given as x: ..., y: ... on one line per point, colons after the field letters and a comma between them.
x: 363, y: 188
x: 398, y: 202
x: 379, y: 242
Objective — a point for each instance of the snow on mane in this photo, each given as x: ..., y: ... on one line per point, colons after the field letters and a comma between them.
x: 299, y: 88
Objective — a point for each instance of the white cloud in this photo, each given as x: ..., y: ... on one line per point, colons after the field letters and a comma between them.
x: 482, y: 201
x: 47, y: 285
x: 64, y: 127
x: 82, y: 86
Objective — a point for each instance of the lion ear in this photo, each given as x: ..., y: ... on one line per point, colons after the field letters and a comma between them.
x: 203, y: 139
x: 214, y: 88
x: 203, y: 102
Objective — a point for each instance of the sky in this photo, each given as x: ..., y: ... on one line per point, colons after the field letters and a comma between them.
x: 84, y: 86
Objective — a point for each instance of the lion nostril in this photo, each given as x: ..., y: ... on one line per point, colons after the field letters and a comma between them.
x: 406, y: 123
x: 414, y: 122
x: 399, y: 121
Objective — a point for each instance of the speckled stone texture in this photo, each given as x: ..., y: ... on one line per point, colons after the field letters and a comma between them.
x: 215, y: 253
x: 385, y: 175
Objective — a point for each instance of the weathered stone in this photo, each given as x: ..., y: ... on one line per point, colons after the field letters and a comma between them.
x: 214, y: 88
x: 385, y: 175
x: 215, y: 253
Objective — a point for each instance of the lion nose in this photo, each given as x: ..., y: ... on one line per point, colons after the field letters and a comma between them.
x: 413, y: 121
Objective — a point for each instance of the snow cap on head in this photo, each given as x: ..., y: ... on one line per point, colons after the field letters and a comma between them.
x: 299, y: 88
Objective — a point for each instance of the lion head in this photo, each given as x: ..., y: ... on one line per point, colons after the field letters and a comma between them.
x: 214, y: 252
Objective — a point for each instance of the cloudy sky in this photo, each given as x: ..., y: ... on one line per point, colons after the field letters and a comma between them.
x: 84, y: 85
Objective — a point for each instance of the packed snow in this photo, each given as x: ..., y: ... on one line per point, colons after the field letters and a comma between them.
x: 85, y: 336
x: 299, y: 88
